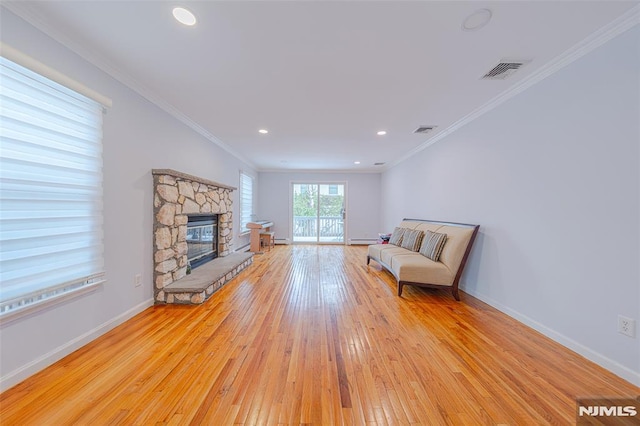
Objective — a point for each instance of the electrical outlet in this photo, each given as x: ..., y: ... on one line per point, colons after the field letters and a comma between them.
x: 626, y: 326
x: 137, y: 280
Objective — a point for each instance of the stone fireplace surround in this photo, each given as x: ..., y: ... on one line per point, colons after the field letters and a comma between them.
x: 177, y: 195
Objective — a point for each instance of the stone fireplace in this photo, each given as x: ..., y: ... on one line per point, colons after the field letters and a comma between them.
x: 178, y: 199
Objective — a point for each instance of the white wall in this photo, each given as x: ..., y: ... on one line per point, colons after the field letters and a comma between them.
x: 553, y: 178
x: 363, y: 200
x: 138, y: 137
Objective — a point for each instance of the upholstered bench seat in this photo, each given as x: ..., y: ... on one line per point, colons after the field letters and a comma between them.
x: 414, y: 262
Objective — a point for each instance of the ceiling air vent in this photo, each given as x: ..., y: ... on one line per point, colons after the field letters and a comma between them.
x: 424, y: 129
x: 378, y: 164
x: 505, y: 69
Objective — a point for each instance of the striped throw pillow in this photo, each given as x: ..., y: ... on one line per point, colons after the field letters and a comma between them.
x: 396, y: 237
x: 432, y: 245
x: 412, y: 239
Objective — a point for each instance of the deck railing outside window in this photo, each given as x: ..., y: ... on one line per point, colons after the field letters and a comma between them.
x: 307, y: 226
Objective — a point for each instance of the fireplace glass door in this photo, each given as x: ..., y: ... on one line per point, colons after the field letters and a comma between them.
x: 202, y: 239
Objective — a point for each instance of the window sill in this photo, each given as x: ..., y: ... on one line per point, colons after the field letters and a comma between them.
x: 27, y: 310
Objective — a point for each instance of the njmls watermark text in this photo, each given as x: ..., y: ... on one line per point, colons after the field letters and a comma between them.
x: 608, y: 411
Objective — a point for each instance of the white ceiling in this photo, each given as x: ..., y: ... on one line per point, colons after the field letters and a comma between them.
x: 322, y: 76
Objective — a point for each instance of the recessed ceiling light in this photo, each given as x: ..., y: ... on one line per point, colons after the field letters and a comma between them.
x: 382, y: 133
x: 263, y: 131
x: 356, y: 162
x: 477, y: 20
x: 184, y: 16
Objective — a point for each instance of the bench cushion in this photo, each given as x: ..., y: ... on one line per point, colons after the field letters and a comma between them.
x: 375, y: 251
x: 387, y: 254
x: 416, y: 268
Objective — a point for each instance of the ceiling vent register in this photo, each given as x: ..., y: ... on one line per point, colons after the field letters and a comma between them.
x: 506, y: 68
x: 424, y: 129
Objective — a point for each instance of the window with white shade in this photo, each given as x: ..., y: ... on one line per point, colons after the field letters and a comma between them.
x: 246, y: 201
x: 51, y: 237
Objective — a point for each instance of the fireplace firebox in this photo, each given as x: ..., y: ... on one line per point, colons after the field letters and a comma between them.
x: 202, y: 239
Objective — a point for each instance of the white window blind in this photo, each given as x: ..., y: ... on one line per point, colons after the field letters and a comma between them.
x: 246, y: 201
x: 51, y: 238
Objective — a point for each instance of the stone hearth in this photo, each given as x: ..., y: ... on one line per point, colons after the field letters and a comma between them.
x: 177, y: 195
x: 198, y: 286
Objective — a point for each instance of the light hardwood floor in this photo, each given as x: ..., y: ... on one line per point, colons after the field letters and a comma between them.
x: 310, y: 335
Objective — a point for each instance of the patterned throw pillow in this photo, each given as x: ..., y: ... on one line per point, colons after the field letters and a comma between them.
x: 432, y: 245
x: 411, y: 239
x: 396, y: 237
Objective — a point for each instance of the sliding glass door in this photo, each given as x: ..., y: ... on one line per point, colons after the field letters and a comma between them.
x: 318, y: 212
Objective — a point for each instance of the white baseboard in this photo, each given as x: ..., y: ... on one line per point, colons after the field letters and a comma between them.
x: 607, y: 363
x: 285, y: 241
x: 16, y: 376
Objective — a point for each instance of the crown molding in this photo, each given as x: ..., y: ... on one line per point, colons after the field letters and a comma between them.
x: 24, y: 11
x: 616, y: 27
x: 321, y: 171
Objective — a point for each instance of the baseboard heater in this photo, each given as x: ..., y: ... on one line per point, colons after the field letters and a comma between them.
x: 243, y: 248
x: 363, y: 241
x: 285, y: 241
